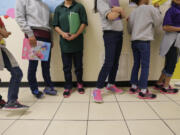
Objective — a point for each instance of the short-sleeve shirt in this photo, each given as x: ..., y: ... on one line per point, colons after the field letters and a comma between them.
x: 61, y: 20
x: 172, y: 16
x: 1, y: 23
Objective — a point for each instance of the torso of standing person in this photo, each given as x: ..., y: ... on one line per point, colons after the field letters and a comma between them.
x: 172, y: 16
x: 103, y: 7
x: 61, y: 20
x: 32, y: 14
x: 142, y: 22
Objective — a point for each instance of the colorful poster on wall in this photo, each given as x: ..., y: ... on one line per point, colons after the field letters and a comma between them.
x: 8, y: 7
x: 40, y: 52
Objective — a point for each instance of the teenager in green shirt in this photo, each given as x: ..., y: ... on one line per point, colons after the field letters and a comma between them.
x: 71, y: 44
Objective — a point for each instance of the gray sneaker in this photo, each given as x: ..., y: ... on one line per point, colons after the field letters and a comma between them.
x: 14, y: 105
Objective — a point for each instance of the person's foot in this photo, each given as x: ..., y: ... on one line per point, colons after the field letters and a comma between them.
x: 50, y: 91
x: 2, y: 102
x: 14, y: 105
x: 97, y: 97
x: 146, y: 95
x: 38, y: 94
x: 169, y: 90
x: 113, y: 88
x: 80, y: 88
x: 67, y: 93
x: 133, y: 91
x: 158, y: 86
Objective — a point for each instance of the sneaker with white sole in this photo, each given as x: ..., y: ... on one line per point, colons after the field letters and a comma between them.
x: 97, y: 97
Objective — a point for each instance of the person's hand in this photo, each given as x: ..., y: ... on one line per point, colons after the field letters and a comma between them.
x: 72, y: 37
x: 6, y: 34
x: 65, y: 35
x: 117, y: 9
x: 1, y: 37
x: 33, y: 41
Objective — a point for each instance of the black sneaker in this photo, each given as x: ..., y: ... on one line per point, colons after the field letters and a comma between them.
x: 158, y: 87
x: 2, y: 102
x: 133, y: 91
x: 14, y: 105
x: 146, y: 95
x: 170, y: 90
x: 80, y: 88
x: 67, y: 93
x: 38, y: 94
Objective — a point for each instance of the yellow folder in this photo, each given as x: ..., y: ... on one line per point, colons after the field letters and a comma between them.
x: 160, y: 2
x: 2, y: 42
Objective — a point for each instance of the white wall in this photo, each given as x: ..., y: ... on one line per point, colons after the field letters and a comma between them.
x: 93, y: 52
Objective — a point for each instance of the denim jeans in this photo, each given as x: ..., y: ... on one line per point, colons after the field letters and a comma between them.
x: 16, y: 77
x: 67, y: 59
x: 141, y: 53
x: 113, y: 46
x: 171, y: 61
x: 45, y: 66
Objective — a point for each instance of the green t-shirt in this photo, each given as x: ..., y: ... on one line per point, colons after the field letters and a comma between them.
x: 61, y: 20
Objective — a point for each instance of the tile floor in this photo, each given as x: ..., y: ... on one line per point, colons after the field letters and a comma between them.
x: 120, y: 114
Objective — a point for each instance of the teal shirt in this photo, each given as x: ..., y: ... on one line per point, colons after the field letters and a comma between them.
x: 61, y: 20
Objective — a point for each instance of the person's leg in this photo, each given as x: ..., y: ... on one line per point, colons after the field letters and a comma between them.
x: 144, y: 48
x: 112, y: 75
x: 32, y: 68
x: 78, y: 63
x: 67, y: 67
x: 110, y: 48
x: 135, y: 69
x: 13, y: 91
x: 49, y: 89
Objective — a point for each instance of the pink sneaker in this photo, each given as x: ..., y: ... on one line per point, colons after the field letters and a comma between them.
x: 113, y: 88
x: 80, y: 88
x: 97, y: 96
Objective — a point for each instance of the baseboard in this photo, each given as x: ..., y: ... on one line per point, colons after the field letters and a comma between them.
x: 86, y: 84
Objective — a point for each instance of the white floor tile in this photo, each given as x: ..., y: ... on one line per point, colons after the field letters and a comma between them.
x: 41, y: 111
x: 107, y: 128
x: 105, y: 111
x: 31, y: 127
x: 166, y: 110
x: 67, y: 128
x: 4, y: 124
x: 72, y: 111
x: 137, y: 110
x: 174, y: 125
x: 150, y: 127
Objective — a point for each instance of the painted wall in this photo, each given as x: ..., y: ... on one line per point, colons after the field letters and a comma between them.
x: 93, y: 52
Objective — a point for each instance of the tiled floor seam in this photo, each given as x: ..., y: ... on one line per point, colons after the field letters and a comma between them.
x: 160, y: 118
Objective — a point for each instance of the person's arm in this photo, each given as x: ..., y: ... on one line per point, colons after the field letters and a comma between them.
x: 21, y: 20
x: 83, y: 21
x: 4, y: 33
x: 169, y: 28
x: 105, y: 10
x: 130, y: 23
x: 157, y: 16
x: 119, y: 10
x: 65, y: 35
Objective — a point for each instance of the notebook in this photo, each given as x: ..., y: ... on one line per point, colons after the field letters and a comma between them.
x: 40, y: 52
x: 160, y: 2
x: 74, y: 22
x: 115, y: 3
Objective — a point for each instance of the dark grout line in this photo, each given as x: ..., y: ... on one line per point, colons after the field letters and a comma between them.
x: 53, y: 117
x: 172, y: 100
x: 87, y: 124
x: 160, y: 117
x: 123, y: 116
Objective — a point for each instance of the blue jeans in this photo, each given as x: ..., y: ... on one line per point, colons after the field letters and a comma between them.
x: 171, y: 61
x: 45, y: 66
x: 16, y: 77
x: 67, y: 59
x: 113, y: 46
x: 141, y: 53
